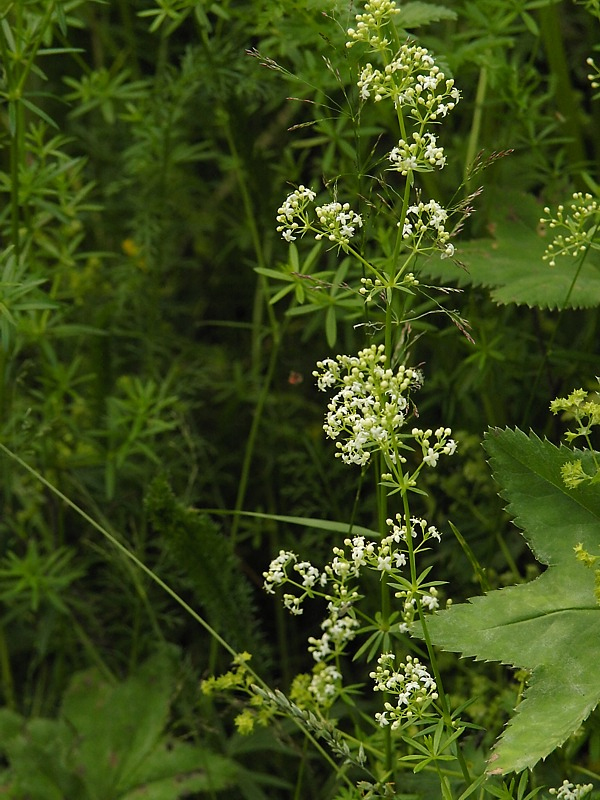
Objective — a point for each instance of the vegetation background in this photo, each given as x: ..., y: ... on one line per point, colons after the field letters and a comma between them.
x: 159, y: 381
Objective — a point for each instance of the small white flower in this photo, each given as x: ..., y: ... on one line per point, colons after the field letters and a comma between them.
x: 292, y: 603
x: 325, y: 684
x: 422, y: 154
x: 431, y: 458
x: 384, y: 563
x: 569, y: 791
x: 430, y: 602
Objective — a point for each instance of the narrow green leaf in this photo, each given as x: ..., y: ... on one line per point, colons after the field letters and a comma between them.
x: 39, y: 112
x: 307, y: 522
x: 331, y: 326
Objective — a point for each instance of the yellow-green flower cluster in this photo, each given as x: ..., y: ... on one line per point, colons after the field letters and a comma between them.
x: 571, y: 791
x: 585, y: 410
x: 576, y: 226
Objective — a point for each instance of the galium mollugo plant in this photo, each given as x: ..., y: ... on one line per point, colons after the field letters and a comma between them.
x: 405, y: 718
x: 369, y: 416
x: 372, y: 419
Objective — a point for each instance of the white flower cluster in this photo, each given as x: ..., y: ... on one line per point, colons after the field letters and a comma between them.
x: 369, y: 407
x: 370, y: 25
x: 569, y: 791
x: 421, y: 531
x: 292, y: 216
x: 421, y: 155
x: 337, y: 584
x: 372, y: 287
x: 429, y: 601
x: 419, y: 528
x: 428, y: 219
x: 339, y: 628
x: 325, y: 684
x: 334, y: 221
x: 338, y: 221
x: 579, y: 220
x: 412, y: 81
x: 276, y: 575
x: 443, y: 444
x: 380, y: 556
x: 412, y: 685
x: 308, y: 577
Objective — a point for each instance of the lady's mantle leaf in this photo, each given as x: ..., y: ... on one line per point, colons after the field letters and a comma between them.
x: 550, y: 626
x: 510, y: 265
x: 415, y: 15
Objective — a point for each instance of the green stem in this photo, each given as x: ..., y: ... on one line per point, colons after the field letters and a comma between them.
x: 8, y: 689
x: 548, y: 349
x: 251, y: 441
x: 475, y: 132
x: 443, y: 698
x: 261, y: 297
x: 403, y: 212
x: 261, y: 301
x: 552, y: 27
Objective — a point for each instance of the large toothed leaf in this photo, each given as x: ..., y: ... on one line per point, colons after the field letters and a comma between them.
x: 417, y: 14
x: 509, y: 263
x: 550, y: 626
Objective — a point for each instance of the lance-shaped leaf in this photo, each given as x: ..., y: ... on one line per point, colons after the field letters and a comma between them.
x: 550, y: 626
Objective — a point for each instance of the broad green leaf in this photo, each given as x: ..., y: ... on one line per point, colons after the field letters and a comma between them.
x: 109, y: 743
x: 550, y: 626
x: 509, y: 263
x: 126, y: 724
x: 37, y: 751
x: 178, y: 769
x: 121, y: 748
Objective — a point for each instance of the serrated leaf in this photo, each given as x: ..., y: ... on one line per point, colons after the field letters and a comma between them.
x: 550, y: 626
x: 509, y: 263
x: 413, y: 15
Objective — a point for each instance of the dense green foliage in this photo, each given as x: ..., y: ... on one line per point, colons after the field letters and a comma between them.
x: 157, y: 344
